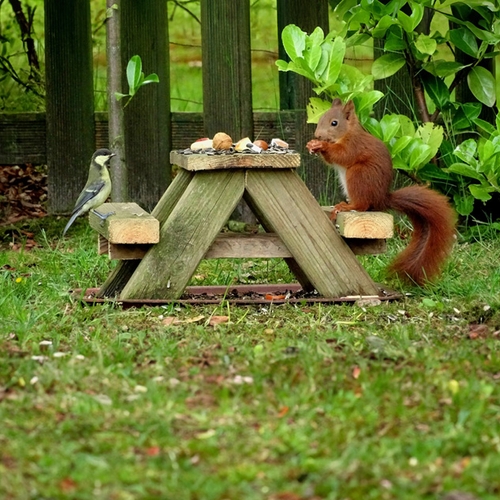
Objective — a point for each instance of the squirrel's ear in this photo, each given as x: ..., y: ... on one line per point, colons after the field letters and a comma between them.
x: 336, y: 102
x: 349, y: 109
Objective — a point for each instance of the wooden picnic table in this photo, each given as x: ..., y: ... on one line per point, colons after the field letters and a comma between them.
x: 197, y: 205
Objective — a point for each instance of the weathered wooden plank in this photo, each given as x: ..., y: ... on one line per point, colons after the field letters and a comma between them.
x: 363, y: 246
x: 120, y: 251
x: 186, y: 235
x: 196, y: 162
x: 69, y: 100
x: 147, y: 117
x: 235, y: 245
x: 123, y: 271
x: 227, y: 67
x: 129, y: 224
x: 372, y: 225
x: 293, y: 213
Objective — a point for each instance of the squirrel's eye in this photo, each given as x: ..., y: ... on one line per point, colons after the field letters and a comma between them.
x: 334, y: 123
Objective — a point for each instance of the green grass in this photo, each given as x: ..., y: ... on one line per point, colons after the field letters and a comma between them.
x: 388, y: 402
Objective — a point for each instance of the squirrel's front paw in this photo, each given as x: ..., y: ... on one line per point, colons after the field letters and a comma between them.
x: 314, y: 146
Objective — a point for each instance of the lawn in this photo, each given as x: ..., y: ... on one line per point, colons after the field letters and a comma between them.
x: 398, y: 400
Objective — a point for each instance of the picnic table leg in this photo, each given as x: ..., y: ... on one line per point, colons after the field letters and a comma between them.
x: 123, y: 271
x: 186, y: 235
x: 287, y: 207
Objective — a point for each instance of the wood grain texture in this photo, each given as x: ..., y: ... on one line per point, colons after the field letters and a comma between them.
x: 372, y: 225
x: 144, y: 31
x: 186, y: 235
x: 130, y: 224
x: 69, y: 101
x: 196, y: 162
x: 125, y: 268
x: 237, y: 246
x: 294, y: 214
x: 227, y: 71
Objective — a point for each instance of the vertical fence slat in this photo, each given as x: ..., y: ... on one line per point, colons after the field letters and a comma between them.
x: 295, y: 90
x: 227, y: 75
x: 69, y: 100
x: 147, y: 118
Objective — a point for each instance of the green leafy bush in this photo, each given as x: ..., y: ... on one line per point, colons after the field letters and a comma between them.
x: 444, y: 46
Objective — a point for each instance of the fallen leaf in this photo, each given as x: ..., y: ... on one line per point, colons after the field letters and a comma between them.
x: 153, y: 451
x: 478, y: 331
x: 218, y: 320
x: 67, y: 485
x: 271, y: 296
x: 283, y: 411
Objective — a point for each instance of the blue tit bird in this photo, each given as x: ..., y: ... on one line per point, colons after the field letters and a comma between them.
x: 97, y: 189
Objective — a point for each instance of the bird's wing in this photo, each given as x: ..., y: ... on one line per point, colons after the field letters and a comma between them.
x: 90, y: 191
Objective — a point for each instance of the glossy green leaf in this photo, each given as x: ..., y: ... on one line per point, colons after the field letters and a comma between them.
x: 425, y: 44
x: 443, y: 68
x: 466, y: 151
x: 485, y: 126
x: 316, y: 108
x: 344, y: 6
x: 480, y: 192
x: 400, y: 144
x: 294, y: 41
x: 390, y: 126
x: 432, y: 135
x: 387, y: 65
x: 437, y: 89
x: 367, y: 99
x: 482, y: 85
x: 419, y: 156
x: 152, y: 78
x: 134, y: 73
x: 465, y: 170
x: 313, y: 56
x: 382, y: 26
x: 487, y: 36
x: 409, y: 23
x: 336, y: 59
x: 463, y: 204
x: 464, y: 40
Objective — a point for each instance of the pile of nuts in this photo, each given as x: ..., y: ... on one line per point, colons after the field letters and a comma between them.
x: 223, y: 144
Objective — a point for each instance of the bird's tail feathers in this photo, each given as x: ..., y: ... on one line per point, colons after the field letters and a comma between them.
x: 71, y: 220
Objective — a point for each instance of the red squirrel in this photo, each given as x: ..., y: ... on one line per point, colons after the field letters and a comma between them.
x: 364, y: 165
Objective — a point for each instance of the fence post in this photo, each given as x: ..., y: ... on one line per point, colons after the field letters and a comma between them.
x: 148, y: 132
x: 295, y: 90
x: 227, y: 74
x: 69, y: 100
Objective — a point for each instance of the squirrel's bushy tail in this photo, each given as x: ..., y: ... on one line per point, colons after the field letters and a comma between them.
x: 433, y: 232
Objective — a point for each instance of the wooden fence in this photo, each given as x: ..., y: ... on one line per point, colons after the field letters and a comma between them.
x: 151, y: 130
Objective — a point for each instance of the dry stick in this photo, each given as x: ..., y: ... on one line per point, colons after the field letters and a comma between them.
x: 25, y: 27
